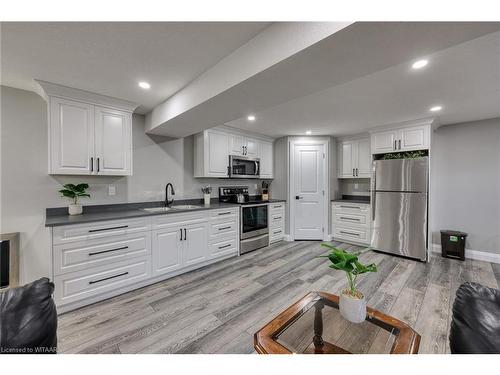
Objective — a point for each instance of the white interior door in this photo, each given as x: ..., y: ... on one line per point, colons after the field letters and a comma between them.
x: 308, y: 182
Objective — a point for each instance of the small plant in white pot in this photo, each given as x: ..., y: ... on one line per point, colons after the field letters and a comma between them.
x: 352, y: 303
x: 74, y: 192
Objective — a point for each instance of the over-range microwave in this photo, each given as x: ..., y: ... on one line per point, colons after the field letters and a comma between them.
x: 244, y: 167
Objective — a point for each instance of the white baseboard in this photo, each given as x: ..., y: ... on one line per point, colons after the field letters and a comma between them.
x: 288, y: 238
x: 473, y: 254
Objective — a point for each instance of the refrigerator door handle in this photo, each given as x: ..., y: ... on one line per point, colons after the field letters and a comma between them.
x: 374, y: 184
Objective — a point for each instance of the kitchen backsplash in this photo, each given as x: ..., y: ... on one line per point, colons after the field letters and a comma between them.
x: 353, y: 186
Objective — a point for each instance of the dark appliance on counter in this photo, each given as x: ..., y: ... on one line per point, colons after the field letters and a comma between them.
x: 254, y: 228
x: 244, y: 167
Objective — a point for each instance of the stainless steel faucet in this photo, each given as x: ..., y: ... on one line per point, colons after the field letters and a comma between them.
x: 169, y: 202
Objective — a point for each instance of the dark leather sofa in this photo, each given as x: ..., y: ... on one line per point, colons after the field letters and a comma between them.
x: 28, y: 319
x: 475, y: 325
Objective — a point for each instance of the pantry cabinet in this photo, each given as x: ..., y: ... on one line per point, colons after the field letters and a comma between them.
x: 266, y: 160
x: 407, y: 138
x: 354, y: 159
x: 89, y: 134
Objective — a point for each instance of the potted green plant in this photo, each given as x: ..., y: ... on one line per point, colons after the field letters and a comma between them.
x: 74, y: 192
x: 352, y: 303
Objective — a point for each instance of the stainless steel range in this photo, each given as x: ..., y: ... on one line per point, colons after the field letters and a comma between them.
x: 254, y: 229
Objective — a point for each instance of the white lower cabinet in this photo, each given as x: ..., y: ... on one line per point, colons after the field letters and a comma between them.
x: 95, y: 261
x: 276, y: 220
x: 351, y: 222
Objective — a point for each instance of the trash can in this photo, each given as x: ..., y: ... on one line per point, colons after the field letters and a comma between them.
x: 453, y: 244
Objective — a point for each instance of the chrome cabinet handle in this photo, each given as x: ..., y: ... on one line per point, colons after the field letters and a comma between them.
x: 223, y: 213
x: 357, y: 208
x: 224, y: 228
x: 395, y: 145
x: 276, y: 232
x: 277, y: 218
x: 92, y: 164
x: 98, y: 166
x: 225, y: 246
x: 357, y: 174
x: 108, y: 278
x: 349, y: 218
x: 350, y: 233
x: 108, y: 251
x: 185, y: 234
x: 278, y: 206
x: 399, y: 144
x: 103, y: 229
x: 181, y: 233
x: 353, y: 175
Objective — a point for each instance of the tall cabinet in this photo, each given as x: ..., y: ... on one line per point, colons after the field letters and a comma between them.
x: 89, y: 134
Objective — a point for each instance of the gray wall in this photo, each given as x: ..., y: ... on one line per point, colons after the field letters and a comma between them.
x: 465, y: 172
x: 27, y: 189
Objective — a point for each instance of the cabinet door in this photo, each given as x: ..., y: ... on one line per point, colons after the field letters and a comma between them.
x: 167, y: 250
x: 252, y: 148
x: 113, y: 142
x: 71, y: 144
x: 195, y: 244
x: 347, y: 152
x: 384, y: 141
x: 363, y: 159
x: 236, y: 143
x: 266, y: 160
x: 414, y: 138
x: 218, y: 157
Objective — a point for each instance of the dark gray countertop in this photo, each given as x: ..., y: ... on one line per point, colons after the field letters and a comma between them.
x: 59, y: 216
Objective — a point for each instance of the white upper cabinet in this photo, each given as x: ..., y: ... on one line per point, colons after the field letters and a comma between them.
x: 266, y: 159
x: 407, y: 138
x: 213, y: 147
x: 211, y: 156
x: 89, y: 134
x: 71, y: 137
x: 113, y: 142
x: 354, y: 159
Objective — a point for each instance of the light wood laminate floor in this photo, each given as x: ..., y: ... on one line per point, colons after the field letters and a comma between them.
x: 217, y: 309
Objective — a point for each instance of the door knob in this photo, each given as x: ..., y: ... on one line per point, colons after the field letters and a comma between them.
x: 298, y: 197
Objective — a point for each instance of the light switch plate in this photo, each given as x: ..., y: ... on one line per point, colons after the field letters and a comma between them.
x: 111, y: 190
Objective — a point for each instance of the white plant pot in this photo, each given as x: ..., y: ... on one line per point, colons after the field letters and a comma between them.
x: 75, y: 209
x: 206, y: 199
x: 352, y: 309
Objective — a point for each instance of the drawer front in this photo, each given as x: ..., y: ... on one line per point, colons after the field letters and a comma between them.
x: 273, y: 207
x: 178, y: 219
x: 88, y: 283
x: 276, y: 218
x: 84, y: 232
x: 224, y: 247
x: 276, y: 234
x: 76, y: 256
x: 343, y: 219
x: 223, y: 229
x: 226, y: 214
x: 352, y: 234
x: 353, y: 208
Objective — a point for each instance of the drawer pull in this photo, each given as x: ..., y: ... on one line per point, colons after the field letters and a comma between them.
x: 224, y: 228
x: 279, y: 206
x: 277, y: 218
x: 224, y: 213
x: 350, y: 233
x: 276, y: 232
x: 100, y: 230
x: 225, y: 246
x: 108, y: 278
x: 349, y: 218
x: 355, y: 207
x: 108, y: 251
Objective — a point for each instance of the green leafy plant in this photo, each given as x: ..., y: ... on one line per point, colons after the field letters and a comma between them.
x: 404, y: 155
x: 349, y: 263
x: 74, y: 191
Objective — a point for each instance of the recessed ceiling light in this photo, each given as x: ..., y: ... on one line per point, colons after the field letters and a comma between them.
x: 435, y: 108
x: 144, y: 85
x: 419, y: 64
x: 251, y: 118
x: 308, y: 132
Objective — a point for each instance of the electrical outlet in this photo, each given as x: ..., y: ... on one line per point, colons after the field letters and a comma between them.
x: 255, y: 186
x: 356, y: 186
x: 111, y: 190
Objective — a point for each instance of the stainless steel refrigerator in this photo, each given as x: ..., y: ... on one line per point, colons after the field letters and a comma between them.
x: 399, y: 207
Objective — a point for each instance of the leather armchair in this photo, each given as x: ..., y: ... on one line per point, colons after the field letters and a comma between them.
x: 28, y: 319
x: 475, y: 325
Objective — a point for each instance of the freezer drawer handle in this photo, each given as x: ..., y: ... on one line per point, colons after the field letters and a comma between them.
x: 225, y: 246
x: 108, y: 278
x: 224, y: 228
x: 350, y: 233
x: 349, y: 218
x: 103, y: 229
x: 108, y: 251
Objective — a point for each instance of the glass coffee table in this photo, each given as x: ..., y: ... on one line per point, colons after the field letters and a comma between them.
x: 314, y: 325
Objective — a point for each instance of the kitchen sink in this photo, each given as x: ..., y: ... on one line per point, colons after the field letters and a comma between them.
x: 157, y: 209
x: 186, y: 207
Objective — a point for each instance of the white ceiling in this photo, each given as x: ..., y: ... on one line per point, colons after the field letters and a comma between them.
x: 110, y: 58
x: 464, y: 79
